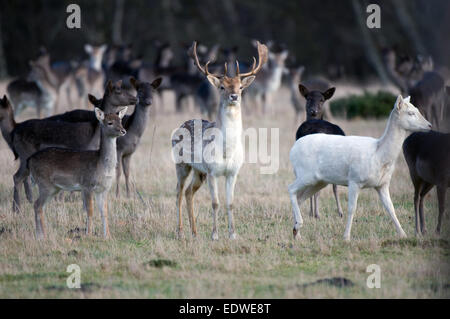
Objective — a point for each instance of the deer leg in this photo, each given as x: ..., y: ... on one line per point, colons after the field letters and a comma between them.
x: 183, y: 171
x: 89, y: 206
x: 197, y: 181
x: 126, y: 160
x: 230, y: 184
x: 19, y: 177
x: 102, y: 204
x: 316, y: 205
x: 311, y: 202
x: 385, y: 198
x: 118, y: 174
x: 353, y: 192
x: 338, y: 203
x: 213, y: 189
x: 441, y: 190
x: 417, y: 190
x: 28, y: 189
x: 426, y: 188
x: 45, y: 194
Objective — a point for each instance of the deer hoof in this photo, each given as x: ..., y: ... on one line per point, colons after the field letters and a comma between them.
x: 215, y: 236
x: 233, y: 236
x: 179, y: 234
x: 403, y: 234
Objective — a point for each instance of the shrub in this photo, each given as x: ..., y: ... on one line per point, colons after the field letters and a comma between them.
x: 369, y: 105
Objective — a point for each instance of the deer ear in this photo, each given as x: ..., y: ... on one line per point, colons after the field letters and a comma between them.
x: 156, y: 83
x: 247, y: 81
x: 214, y: 81
x: 328, y: 93
x: 94, y: 101
x: 122, y: 112
x: 407, y: 99
x: 303, y: 90
x: 99, y: 114
x: 109, y: 86
x: 399, y: 102
x: 134, y: 82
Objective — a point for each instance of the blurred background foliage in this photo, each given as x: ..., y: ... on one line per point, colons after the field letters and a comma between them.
x: 322, y: 35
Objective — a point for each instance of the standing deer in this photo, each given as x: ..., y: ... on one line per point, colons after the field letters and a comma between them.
x: 269, y: 79
x: 91, y: 172
x: 135, y: 126
x: 354, y: 161
x: 428, y: 159
x: 30, y: 136
x: 228, y: 151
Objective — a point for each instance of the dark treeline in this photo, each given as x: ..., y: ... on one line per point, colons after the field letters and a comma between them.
x: 322, y: 35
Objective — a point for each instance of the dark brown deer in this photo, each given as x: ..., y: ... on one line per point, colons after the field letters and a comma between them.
x: 428, y: 159
x: 30, y: 136
x: 135, y: 126
x: 316, y: 94
x: 91, y: 172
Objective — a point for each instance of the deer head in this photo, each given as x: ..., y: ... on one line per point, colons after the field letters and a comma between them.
x: 315, y: 100
x: 231, y: 87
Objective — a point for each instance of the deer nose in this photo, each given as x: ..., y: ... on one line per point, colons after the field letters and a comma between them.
x: 123, y: 132
x: 233, y: 97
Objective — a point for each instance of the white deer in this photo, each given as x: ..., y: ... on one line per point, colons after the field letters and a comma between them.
x: 354, y: 161
x: 226, y: 144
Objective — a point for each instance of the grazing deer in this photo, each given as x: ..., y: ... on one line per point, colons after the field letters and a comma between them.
x: 354, y: 161
x: 317, y: 92
x: 228, y: 152
x: 135, y: 126
x: 269, y: 79
x: 428, y: 159
x: 33, y: 135
x: 91, y: 172
x: 295, y: 77
x: 314, y: 126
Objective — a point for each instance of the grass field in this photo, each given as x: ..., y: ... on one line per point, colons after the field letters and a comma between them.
x: 145, y: 260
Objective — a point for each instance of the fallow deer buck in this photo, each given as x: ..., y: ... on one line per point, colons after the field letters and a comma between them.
x: 227, y: 150
x: 91, y: 172
x: 33, y: 135
x: 354, y: 161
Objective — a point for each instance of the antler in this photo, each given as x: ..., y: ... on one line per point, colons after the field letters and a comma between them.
x: 262, y: 58
x: 192, y: 52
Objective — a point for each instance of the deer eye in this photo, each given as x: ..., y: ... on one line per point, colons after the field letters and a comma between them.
x: 222, y: 88
x: 411, y: 113
x: 241, y: 88
x: 110, y: 123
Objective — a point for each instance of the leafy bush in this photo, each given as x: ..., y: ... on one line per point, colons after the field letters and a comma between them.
x: 368, y: 105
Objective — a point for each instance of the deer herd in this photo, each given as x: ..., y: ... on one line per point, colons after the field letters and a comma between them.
x: 84, y: 150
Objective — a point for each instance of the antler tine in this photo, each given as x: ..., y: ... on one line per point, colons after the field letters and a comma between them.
x: 192, y: 52
x: 237, y: 68
x: 262, y: 57
x: 225, y: 69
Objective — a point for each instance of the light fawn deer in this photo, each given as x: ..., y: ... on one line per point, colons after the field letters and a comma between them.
x: 226, y: 145
x: 354, y: 161
x: 30, y: 136
x: 40, y: 90
x: 135, y: 126
x: 428, y: 159
x: 91, y: 172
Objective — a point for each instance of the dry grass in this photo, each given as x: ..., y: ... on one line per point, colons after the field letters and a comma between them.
x: 144, y: 259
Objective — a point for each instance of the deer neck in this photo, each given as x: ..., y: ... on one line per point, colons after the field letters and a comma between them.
x: 95, y: 63
x: 229, y: 121
x: 6, y: 126
x: 138, y: 120
x: 390, y: 143
x: 107, y: 152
